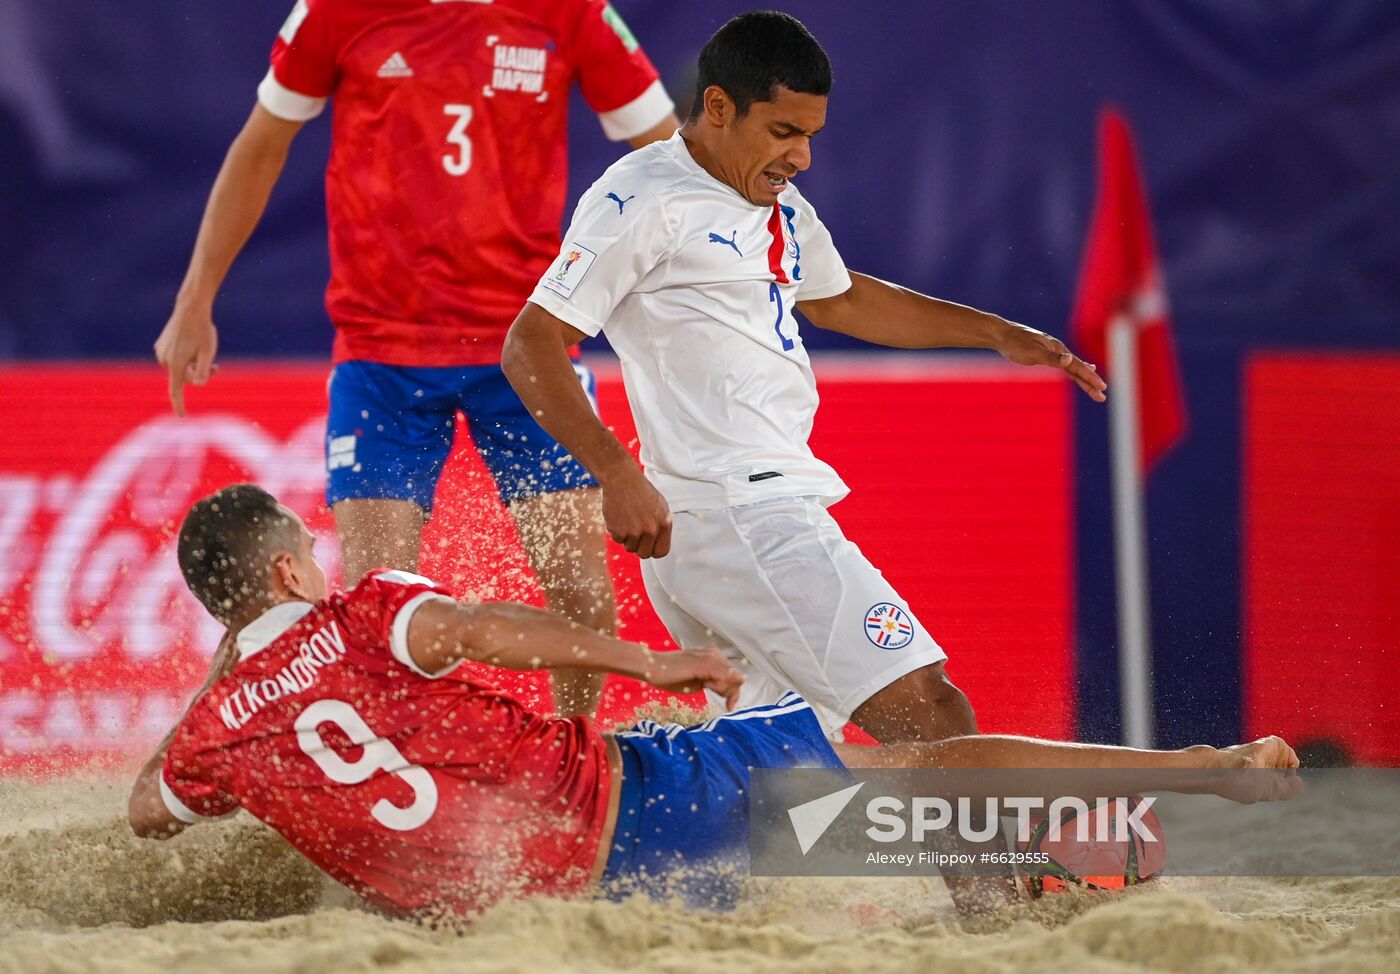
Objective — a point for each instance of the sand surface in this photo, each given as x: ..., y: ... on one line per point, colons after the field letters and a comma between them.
x: 78, y: 893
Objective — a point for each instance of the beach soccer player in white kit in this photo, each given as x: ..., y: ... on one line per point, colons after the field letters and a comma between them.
x: 692, y: 254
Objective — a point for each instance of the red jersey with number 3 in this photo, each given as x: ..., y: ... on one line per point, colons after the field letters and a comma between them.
x: 424, y: 795
x: 448, y: 167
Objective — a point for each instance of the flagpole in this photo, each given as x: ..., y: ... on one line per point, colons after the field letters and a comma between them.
x: 1130, y: 537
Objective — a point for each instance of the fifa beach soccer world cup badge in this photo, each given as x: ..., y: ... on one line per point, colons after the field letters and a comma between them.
x: 570, y: 259
x: 888, y: 626
x: 569, y: 268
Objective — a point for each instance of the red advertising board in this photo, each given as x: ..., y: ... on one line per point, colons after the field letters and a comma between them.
x: 961, y: 494
x: 1322, y: 550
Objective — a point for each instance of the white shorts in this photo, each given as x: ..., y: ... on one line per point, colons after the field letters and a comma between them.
x: 781, y: 590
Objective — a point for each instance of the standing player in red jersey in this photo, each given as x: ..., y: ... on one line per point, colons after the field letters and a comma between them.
x: 444, y: 195
x: 338, y: 720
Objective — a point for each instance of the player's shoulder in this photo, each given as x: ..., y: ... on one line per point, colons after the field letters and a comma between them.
x: 654, y: 168
x: 322, y: 9
x: 327, y: 17
x: 359, y: 7
x: 379, y: 597
x: 201, y: 724
x: 643, y: 184
x: 565, y: 15
x: 792, y: 197
x: 391, y: 581
x: 350, y: 13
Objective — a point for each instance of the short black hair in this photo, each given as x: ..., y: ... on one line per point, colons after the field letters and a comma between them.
x: 755, y: 53
x: 225, y: 547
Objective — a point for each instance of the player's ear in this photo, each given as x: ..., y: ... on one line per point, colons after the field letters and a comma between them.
x: 718, y: 106
x: 287, y: 577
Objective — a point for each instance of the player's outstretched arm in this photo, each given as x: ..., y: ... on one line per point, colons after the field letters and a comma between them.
x: 146, y: 810
x: 521, y: 637
x: 887, y: 314
x: 536, y: 361
x: 189, y: 341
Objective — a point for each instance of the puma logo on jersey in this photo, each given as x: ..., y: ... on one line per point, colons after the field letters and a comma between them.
x: 395, y: 67
x: 620, y: 202
x: 734, y: 235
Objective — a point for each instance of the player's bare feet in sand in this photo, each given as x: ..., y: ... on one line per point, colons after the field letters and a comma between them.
x: 1267, y: 754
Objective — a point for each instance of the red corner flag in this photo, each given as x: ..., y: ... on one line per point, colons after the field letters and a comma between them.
x: 1121, y: 276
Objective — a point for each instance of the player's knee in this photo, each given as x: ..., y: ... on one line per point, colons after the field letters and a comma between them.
x: 593, y: 613
x: 920, y: 706
x: 942, y: 695
x: 933, y: 685
x: 586, y: 599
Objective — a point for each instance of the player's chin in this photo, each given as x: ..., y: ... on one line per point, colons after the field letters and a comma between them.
x: 765, y: 193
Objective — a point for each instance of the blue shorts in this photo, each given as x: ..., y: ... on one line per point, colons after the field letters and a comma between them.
x: 390, y: 430
x: 683, y: 815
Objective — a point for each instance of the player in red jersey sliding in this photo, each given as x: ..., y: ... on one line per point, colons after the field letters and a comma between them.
x: 340, y: 720
x: 444, y: 196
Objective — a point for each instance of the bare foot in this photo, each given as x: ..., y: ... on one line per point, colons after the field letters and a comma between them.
x: 1260, y: 771
x: 1267, y: 752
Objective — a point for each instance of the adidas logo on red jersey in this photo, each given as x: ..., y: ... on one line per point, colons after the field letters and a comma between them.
x: 395, y: 67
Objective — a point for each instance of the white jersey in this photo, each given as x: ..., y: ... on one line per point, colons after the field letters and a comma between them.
x: 695, y: 286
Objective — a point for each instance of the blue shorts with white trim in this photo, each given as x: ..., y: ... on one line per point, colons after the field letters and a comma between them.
x: 390, y: 428
x: 683, y: 816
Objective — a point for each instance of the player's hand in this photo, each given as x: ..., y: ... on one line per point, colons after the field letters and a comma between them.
x: 693, y: 670
x: 637, y: 516
x: 1260, y: 771
x: 1026, y: 346
x: 187, y: 347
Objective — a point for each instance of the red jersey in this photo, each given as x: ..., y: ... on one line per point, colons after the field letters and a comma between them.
x: 447, y: 176
x: 421, y: 794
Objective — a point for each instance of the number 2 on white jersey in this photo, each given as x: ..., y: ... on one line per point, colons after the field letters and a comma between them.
x: 774, y: 294
x: 457, y: 165
x: 378, y: 755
